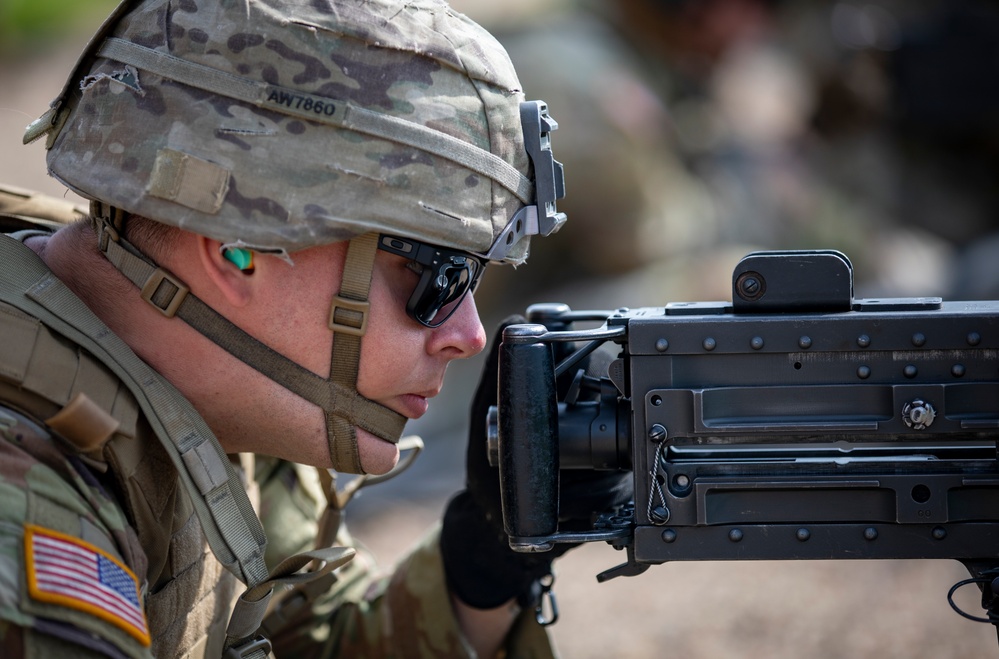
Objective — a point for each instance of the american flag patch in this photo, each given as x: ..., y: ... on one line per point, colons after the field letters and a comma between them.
x: 68, y: 571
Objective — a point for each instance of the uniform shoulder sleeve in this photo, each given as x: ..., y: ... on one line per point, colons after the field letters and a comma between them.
x: 66, y: 586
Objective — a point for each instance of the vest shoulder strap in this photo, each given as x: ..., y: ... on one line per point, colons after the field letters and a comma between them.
x: 233, y: 530
x: 230, y: 523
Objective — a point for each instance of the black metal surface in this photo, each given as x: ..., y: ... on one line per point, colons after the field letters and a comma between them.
x: 796, y: 419
x: 528, y: 412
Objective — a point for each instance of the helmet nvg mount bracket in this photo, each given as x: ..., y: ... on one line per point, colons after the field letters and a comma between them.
x: 549, y: 183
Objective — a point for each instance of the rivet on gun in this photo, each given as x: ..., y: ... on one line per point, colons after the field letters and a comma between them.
x: 662, y: 345
x: 756, y: 343
x: 803, y: 535
x: 918, y: 339
x: 939, y: 533
x: 659, y: 515
x: 735, y: 535
x: 870, y: 533
x: 974, y: 338
x: 863, y: 372
x: 957, y: 370
x: 910, y: 371
x: 918, y: 414
x: 709, y: 344
x: 657, y: 433
x: 805, y: 342
x: 669, y: 535
x: 657, y: 401
x: 681, y: 481
x: 863, y: 340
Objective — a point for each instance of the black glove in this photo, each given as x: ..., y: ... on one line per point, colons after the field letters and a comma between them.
x: 481, y: 568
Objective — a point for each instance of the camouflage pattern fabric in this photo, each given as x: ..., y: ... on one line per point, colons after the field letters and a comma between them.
x: 41, y: 485
x: 369, y: 613
x: 270, y: 173
x: 398, y: 616
x: 119, y: 503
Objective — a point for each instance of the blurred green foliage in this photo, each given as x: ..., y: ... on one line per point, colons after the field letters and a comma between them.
x: 27, y: 26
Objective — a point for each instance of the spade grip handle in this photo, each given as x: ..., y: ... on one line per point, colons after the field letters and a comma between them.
x: 528, y: 438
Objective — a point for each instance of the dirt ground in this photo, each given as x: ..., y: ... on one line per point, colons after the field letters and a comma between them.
x: 821, y: 610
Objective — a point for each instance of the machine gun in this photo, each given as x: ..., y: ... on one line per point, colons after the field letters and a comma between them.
x: 795, y: 422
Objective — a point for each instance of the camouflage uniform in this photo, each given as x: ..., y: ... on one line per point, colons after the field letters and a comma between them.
x: 110, y: 499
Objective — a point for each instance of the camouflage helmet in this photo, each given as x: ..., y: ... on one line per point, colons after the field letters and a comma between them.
x: 282, y: 125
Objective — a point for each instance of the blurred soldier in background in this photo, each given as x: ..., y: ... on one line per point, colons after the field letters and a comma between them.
x: 702, y: 130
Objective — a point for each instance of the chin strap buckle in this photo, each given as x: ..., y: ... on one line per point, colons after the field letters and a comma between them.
x: 109, y: 223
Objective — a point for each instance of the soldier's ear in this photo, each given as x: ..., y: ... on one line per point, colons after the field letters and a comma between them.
x: 231, y: 272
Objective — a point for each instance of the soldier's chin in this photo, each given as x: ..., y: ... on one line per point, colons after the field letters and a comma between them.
x: 377, y: 455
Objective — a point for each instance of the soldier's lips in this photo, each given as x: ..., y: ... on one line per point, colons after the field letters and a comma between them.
x: 413, y: 406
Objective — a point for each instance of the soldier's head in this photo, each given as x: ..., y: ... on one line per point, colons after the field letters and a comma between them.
x: 365, y: 134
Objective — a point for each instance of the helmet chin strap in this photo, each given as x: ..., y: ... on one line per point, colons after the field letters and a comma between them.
x: 349, y: 321
x: 344, y: 408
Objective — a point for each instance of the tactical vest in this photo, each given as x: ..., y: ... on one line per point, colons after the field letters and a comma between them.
x: 61, y: 366
x: 188, y: 593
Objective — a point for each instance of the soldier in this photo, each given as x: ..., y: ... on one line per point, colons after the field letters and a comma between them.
x: 292, y: 203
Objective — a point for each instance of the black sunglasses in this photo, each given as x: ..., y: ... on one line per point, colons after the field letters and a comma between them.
x: 446, y: 277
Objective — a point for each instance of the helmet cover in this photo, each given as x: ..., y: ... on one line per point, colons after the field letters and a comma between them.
x: 282, y: 125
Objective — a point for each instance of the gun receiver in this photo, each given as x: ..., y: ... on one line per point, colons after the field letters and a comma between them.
x: 793, y: 423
